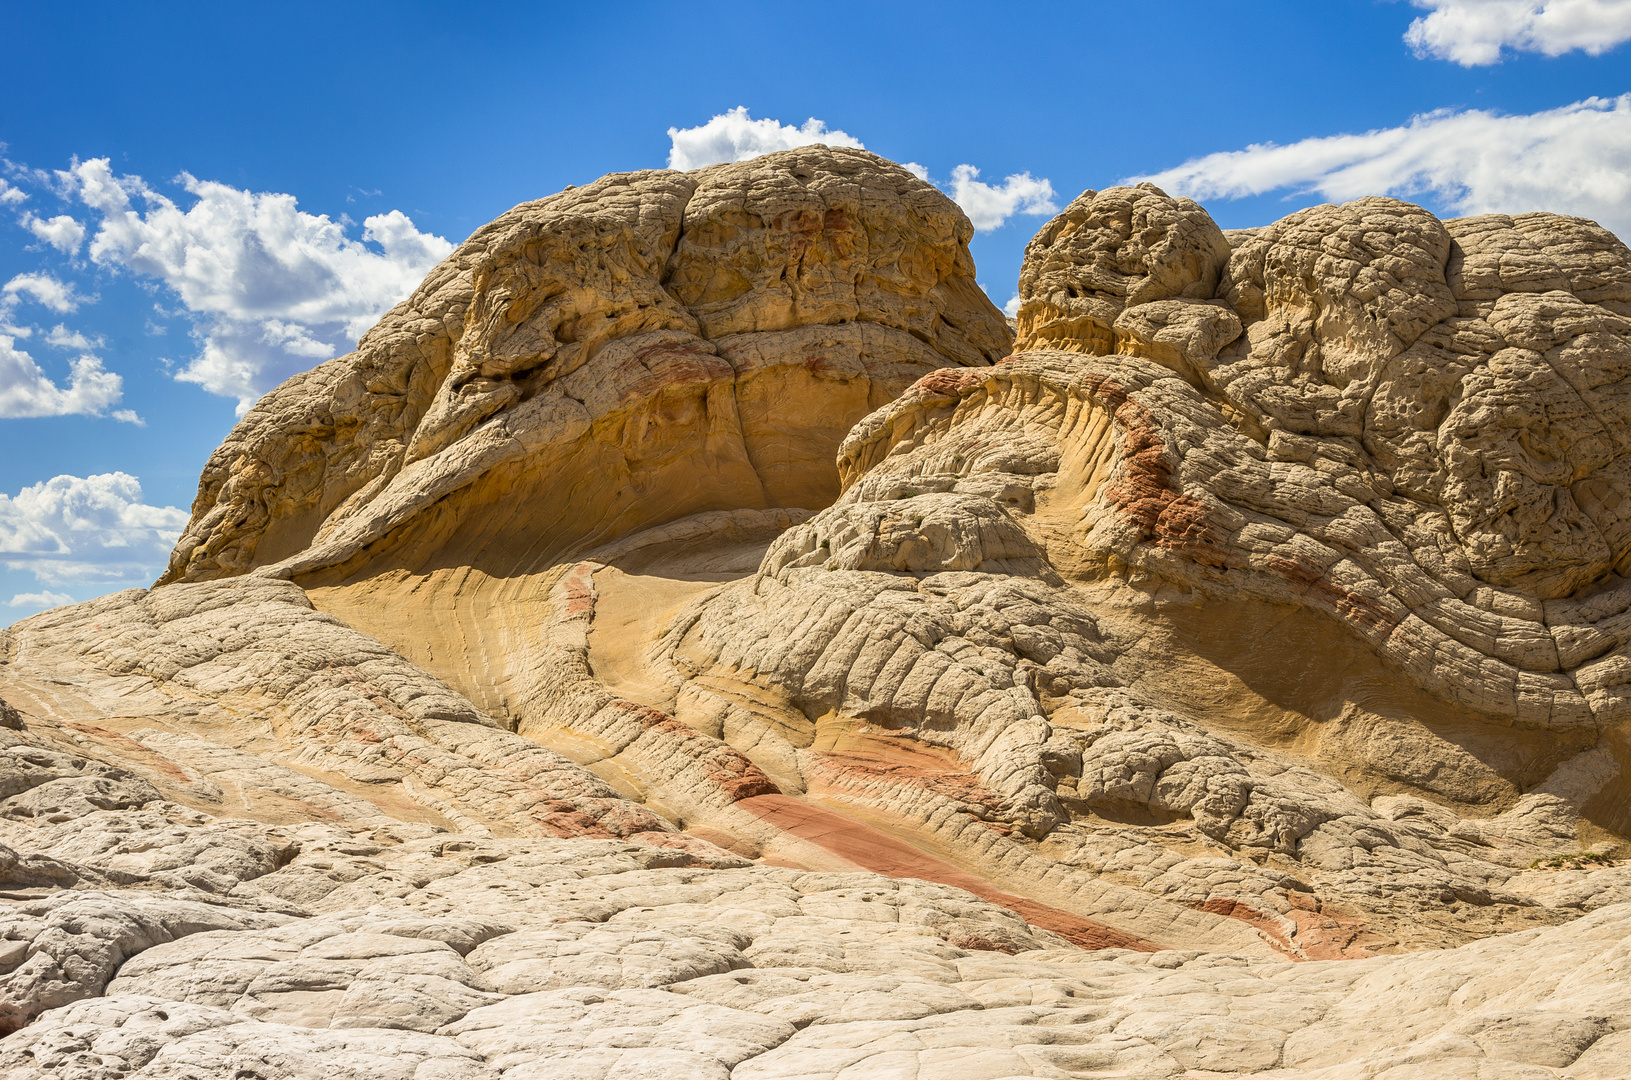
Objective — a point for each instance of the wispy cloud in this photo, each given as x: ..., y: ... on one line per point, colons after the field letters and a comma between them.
x: 42, y: 289
x: 1473, y: 33
x: 64, y: 338
x: 45, y: 599
x: 1572, y: 160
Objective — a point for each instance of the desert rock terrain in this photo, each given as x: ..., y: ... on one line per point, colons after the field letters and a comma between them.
x: 695, y: 634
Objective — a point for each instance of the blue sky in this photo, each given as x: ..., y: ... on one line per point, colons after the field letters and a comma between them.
x: 200, y: 199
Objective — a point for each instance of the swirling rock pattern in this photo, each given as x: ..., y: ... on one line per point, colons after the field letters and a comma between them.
x: 1414, y: 426
x: 691, y: 635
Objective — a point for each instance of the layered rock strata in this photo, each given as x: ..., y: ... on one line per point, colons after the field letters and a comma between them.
x: 650, y: 345
x: 1411, y: 426
x: 1010, y: 541
x: 689, y: 635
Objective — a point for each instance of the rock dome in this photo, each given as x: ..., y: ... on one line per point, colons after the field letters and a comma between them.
x: 692, y: 635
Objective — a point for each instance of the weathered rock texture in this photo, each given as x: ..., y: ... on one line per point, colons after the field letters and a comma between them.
x: 1028, y: 571
x: 368, y: 956
x: 1414, y: 427
x: 654, y: 344
x: 689, y: 637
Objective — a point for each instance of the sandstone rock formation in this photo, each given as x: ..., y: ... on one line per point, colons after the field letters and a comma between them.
x: 690, y: 636
x: 652, y: 345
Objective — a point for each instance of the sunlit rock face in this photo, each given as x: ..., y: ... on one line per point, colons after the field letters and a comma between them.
x: 692, y: 635
x: 1417, y: 427
x: 1277, y: 540
x: 651, y: 345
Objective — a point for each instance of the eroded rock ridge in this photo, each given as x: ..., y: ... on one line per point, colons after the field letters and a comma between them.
x: 693, y: 635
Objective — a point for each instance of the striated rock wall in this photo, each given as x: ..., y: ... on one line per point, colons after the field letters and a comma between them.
x: 1031, y: 564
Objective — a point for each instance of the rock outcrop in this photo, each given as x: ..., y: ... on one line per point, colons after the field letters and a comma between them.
x: 651, y: 345
x: 690, y: 635
x: 1029, y: 565
x: 1413, y: 427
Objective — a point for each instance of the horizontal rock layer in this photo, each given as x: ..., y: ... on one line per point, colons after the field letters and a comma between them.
x: 371, y: 956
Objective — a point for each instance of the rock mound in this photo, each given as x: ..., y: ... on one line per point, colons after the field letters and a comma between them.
x: 651, y: 345
x: 686, y: 636
x: 1415, y: 428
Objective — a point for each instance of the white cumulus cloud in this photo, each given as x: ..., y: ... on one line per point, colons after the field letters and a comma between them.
x: 10, y: 196
x: 46, y: 599
x: 270, y: 288
x: 26, y: 390
x: 990, y: 207
x: 61, y: 232
x: 91, y: 530
x: 43, y: 289
x: 1571, y: 160
x: 735, y: 136
x: 1473, y: 32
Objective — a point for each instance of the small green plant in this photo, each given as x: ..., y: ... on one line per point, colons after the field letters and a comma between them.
x: 1580, y: 860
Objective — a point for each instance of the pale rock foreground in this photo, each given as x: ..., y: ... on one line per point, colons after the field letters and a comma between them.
x: 455, y: 956
x: 691, y: 637
x: 364, y: 956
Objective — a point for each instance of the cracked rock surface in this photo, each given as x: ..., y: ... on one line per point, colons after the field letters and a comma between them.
x: 692, y: 636
x: 530, y: 958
